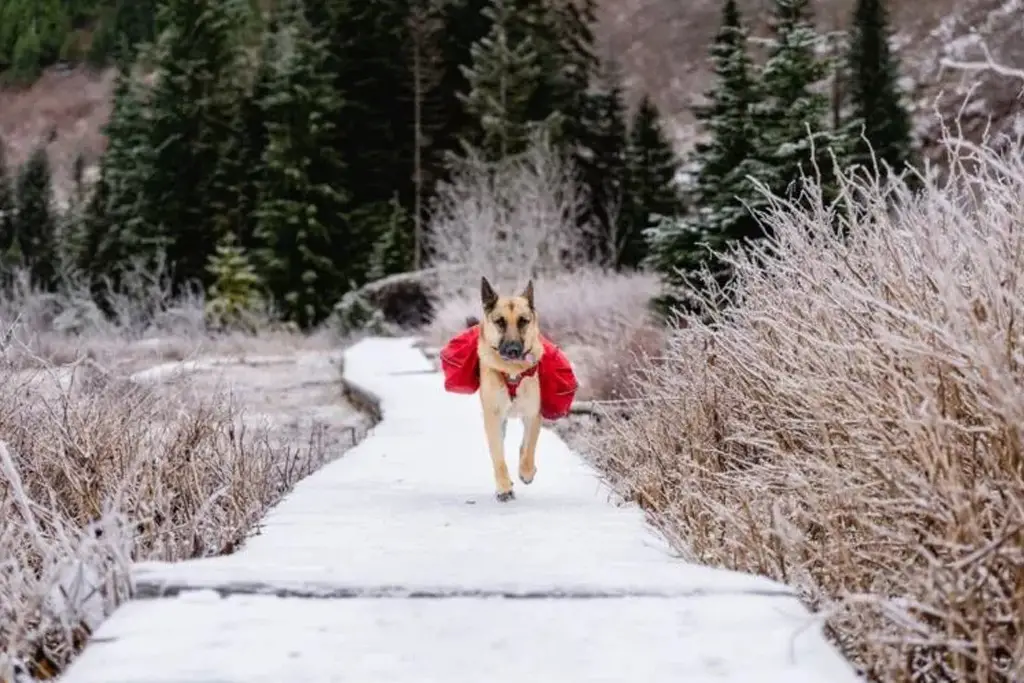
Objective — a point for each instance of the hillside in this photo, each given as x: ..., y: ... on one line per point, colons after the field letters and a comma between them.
x: 661, y: 47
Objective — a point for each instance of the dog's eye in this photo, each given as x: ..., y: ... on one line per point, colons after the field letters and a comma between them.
x: 500, y: 322
x: 523, y: 322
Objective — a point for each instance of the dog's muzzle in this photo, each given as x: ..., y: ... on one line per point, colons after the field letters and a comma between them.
x: 511, y: 350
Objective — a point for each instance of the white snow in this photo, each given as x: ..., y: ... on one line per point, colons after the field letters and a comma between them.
x: 396, y: 564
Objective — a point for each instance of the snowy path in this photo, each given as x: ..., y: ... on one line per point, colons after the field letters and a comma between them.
x: 395, y: 564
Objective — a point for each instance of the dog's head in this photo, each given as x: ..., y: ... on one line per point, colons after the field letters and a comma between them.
x: 510, y: 323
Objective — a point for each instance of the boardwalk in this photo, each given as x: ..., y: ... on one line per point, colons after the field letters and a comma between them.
x: 395, y: 564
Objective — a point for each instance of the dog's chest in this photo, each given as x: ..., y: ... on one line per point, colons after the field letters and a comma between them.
x: 522, y: 396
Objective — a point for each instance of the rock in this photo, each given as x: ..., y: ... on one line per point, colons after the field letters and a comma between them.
x: 387, y: 306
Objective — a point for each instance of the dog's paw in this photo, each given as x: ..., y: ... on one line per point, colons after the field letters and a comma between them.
x: 527, y: 477
x: 505, y: 496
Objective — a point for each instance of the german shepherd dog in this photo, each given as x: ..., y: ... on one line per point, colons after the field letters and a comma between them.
x: 510, y: 348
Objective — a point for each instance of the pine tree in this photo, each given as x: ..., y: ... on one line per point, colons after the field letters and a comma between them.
x: 394, y: 248
x: 8, y: 205
x: 371, y: 62
x: 115, y: 234
x: 874, y: 92
x: 35, y: 228
x: 576, y: 68
x: 240, y: 165
x: 603, y: 165
x: 301, y: 217
x: 121, y: 27
x: 234, y: 294
x: 71, y: 235
x: 463, y: 24
x: 192, y: 106
x: 650, y: 188
x: 791, y: 117
x: 504, y: 73
x: 722, y: 191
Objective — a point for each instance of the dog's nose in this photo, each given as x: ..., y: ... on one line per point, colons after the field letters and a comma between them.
x: 511, y: 349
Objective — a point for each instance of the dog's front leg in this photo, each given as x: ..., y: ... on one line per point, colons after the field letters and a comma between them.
x: 530, y: 400
x: 495, y: 403
x: 493, y: 422
x: 528, y: 449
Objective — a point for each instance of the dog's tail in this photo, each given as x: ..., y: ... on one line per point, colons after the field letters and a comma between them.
x: 472, y: 320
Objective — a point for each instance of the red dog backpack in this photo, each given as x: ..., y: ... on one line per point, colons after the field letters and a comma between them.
x: 461, y: 367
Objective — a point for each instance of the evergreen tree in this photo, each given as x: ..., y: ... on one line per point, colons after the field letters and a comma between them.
x: 8, y: 205
x: 35, y: 228
x: 393, y: 251
x: 301, y: 218
x: 121, y: 27
x: 721, y: 191
x: 240, y: 167
x: 577, y: 67
x: 650, y: 188
x: 234, y: 294
x: 115, y: 234
x: 463, y: 24
x: 791, y: 116
x: 874, y: 93
x: 503, y: 77
x: 371, y: 62
x: 603, y: 168
x: 192, y: 112
x: 71, y: 236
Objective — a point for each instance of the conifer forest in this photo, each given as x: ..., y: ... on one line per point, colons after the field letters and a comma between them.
x: 290, y: 152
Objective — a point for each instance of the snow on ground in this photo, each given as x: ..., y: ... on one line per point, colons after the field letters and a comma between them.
x: 396, y: 564
x: 290, y: 393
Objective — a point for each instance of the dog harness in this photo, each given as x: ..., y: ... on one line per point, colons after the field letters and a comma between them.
x: 512, y: 381
x: 460, y: 364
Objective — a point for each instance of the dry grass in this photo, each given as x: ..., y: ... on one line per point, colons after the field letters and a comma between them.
x: 97, y: 471
x: 147, y: 325
x: 507, y: 220
x: 853, y: 427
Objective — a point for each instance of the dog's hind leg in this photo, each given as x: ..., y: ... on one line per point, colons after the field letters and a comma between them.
x: 528, y: 449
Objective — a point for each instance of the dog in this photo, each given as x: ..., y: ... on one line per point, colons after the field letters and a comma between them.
x: 510, y: 348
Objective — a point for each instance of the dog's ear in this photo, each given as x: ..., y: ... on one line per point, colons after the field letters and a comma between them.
x: 487, y: 294
x: 528, y: 293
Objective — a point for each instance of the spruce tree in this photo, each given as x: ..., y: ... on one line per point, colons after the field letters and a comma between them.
x: 393, y: 250
x: 301, y: 221
x: 650, y: 187
x: 791, y: 116
x: 71, y: 235
x: 35, y: 228
x: 8, y: 205
x: 115, y: 233
x: 192, y: 107
x: 240, y: 165
x: 576, y: 68
x: 234, y: 294
x: 602, y: 164
x: 370, y: 59
x: 463, y: 24
x: 874, y: 92
x: 503, y: 76
x: 723, y: 163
